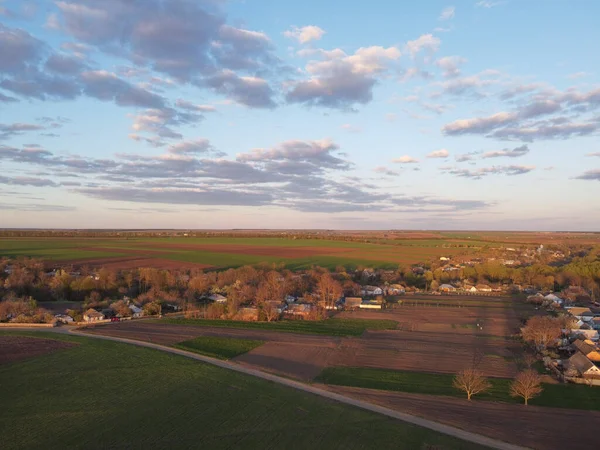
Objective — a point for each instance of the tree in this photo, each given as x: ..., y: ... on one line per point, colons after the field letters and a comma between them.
x: 329, y: 290
x: 541, y: 331
x: 527, y: 385
x: 471, y: 381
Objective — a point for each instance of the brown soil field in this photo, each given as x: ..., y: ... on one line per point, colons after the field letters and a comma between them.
x: 267, y: 250
x: 534, y: 427
x: 304, y: 356
x: 499, y: 322
x: 17, y: 348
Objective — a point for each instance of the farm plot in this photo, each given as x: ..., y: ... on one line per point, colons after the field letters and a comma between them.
x: 533, y: 427
x: 148, y: 398
x: 480, y: 321
x: 17, y: 348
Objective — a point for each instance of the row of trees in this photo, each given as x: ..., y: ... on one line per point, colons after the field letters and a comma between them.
x: 526, y: 385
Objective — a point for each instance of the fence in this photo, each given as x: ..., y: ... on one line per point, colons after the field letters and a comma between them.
x: 26, y: 325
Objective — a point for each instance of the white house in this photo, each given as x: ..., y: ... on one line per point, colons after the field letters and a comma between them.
x: 447, y: 288
x: 136, y: 311
x: 444, y: 258
x: 63, y: 318
x: 580, y: 313
x: 592, y: 335
x: 581, y: 365
x: 218, y: 298
x: 555, y: 299
x: 372, y: 290
x: 483, y: 288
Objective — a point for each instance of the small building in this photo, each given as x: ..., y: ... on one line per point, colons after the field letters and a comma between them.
x: 372, y: 290
x: 483, y: 288
x: 91, y: 315
x: 591, y: 335
x: 370, y: 305
x: 396, y: 289
x: 444, y: 258
x: 299, y: 309
x: 63, y: 318
x: 588, y: 349
x: 352, y: 302
x: 446, y: 288
x: 581, y: 366
x: 580, y: 313
x: 554, y: 299
x: 136, y: 312
x: 218, y: 298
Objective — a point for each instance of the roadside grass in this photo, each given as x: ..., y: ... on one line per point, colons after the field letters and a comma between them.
x: 219, y: 347
x: 102, y: 394
x: 329, y: 327
x: 572, y: 396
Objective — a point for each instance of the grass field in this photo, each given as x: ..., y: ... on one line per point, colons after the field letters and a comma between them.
x: 217, y: 347
x: 571, y: 396
x: 101, y: 394
x: 232, y: 252
x: 329, y: 327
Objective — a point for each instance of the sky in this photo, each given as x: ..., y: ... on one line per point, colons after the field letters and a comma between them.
x: 464, y: 115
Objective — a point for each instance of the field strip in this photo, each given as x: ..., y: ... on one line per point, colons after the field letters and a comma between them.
x: 435, y: 426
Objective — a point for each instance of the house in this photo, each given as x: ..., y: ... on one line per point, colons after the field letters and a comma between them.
x: 91, y: 315
x: 136, y: 311
x: 596, y: 323
x: 592, y: 335
x: 483, y: 288
x: 371, y: 290
x: 580, y: 313
x: 587, y: 348
x: 554, y: 299
x: 352, y: 302
x: 580, y: 365
x: 290, y: 299
x: 300, y: 309
x: 396, y: 289
x: 444, y: 258
x: 447, y: 288
x: 471, y: 289
x: 218, y: 298
x: 63, y: 318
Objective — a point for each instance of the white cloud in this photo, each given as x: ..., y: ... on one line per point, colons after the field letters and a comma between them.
x: 479, y: 124
x: 351, y: 128
x: 447, y: 13
x: 385, y: 171
x: 406, y: 159
x: 450, y: 65
x: 488, y: 3
x: 577, y: 75
x: 593, y: 154
x: 423, y: 42
x: 442, y: 153
x: 305, y: 34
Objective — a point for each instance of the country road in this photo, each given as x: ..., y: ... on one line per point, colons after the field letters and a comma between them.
x: 415, y: 420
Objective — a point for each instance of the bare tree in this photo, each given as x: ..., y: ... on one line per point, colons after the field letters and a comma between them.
x: 527, y: 385
x: 329, y: 290
x: 471, y: 381
x: 541, y: 331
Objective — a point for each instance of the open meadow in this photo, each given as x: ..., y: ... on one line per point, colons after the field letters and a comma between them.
x: 92, y: 394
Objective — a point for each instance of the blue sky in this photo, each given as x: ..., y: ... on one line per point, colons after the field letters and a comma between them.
x: 269, y: 114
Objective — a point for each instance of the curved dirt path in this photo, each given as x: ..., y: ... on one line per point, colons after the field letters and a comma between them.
x: 435, y: 426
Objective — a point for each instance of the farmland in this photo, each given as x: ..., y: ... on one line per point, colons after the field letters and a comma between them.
x: 145, y: 397
x: 125, y: 253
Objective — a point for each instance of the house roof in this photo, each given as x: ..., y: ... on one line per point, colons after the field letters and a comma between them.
x: 447, y: 286
x: 581, y: 363
x: 584, y: 347
x: 93, y: 313
x: 580, y: 311
x: 482, y: 286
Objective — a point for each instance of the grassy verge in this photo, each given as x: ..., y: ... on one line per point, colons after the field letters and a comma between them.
x: 102, y: 394
x: 218, y: 347
x: 330, y: 327
x: 554, y: 395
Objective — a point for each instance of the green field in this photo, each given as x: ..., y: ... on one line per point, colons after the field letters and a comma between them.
x: 102, y: 394
x: 573, y: 396
x: 329, y: 327
x: 219, y: 347
x: 213, y: 251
